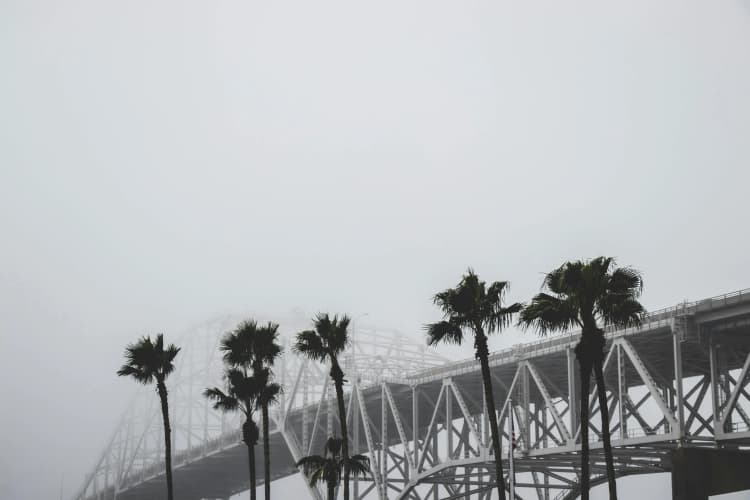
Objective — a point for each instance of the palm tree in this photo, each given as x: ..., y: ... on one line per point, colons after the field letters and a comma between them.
x: 589, y: 294
x: 328, y: 467
x: 241, y: 394
x: 149, y: 361
x: 329, y: 339
x: 257, y: 347
x: 474, y: 307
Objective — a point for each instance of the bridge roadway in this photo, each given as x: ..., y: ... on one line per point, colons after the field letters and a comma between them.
x: 679, y: 380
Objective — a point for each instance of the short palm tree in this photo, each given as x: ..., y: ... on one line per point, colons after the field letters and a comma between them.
x: 257, y: 347
x: 588, y: 294
x: 329, y: 339
x: 474, y: 307
x: 327, y: 468
x: 149, y: 361
x: 241, y: 395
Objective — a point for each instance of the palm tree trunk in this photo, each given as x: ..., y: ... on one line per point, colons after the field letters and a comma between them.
x: 585, y: 371
x: 162, y: 390
x: 266, y: 455
x: 251, y: 465
x: 338, y: 382
x: 602, y: 392
x: 250, y: 437
x: 483, y: 354
x: 331, y: 491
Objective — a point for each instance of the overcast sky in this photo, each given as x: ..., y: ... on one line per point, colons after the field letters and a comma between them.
x: 165, y: 162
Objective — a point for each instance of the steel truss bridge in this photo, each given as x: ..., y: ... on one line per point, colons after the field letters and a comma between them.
x: 680, y: 380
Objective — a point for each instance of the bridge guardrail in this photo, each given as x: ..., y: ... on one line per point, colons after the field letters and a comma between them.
x: 685, y: 307
x: 739, y: 427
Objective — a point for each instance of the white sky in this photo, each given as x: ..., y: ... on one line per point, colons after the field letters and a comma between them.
x: 162, y: 162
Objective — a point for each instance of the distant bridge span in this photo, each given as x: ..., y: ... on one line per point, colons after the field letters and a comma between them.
x: 680, y: 380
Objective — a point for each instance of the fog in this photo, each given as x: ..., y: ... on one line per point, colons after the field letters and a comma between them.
x: 165, y: 162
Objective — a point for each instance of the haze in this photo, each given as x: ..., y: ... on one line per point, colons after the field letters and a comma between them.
x: 165, y: 162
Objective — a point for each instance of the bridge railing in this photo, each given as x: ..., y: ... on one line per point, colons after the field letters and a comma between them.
x: 545, y: 344
x: 739, y: 427
x: 556, y: 341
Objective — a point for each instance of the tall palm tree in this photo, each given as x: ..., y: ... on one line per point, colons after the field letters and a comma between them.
x: 149, y: 361
x: 257, y: 347
x: 588, y: 294
x: 474, y: 307
x: 241, y: 395
x: 329, y: 339
x: 328, y: 467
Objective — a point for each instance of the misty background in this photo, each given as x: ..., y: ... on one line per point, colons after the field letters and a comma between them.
x: 162, y: 163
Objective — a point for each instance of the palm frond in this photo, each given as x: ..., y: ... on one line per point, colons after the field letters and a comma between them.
x: 333, y: 332
x: 502, y: 317
x: 547, y: 314
x: 566, y: 279
x: 266, y: 348
x: 322, y: 323
x: 147, y: 360
x: 596, y: 277
x: 359, y: 465
x: 237, y: 344
x: 627, y: 281
x: 465, y: 299
x: 445, y: 300
x: 233, y: 349
x: 496, y: 292
x: 221, y: 401
x: 167, y: 365
x: 454, y: 305
x: 269, y: 394
x: 159, y: 346
x: 142, y: 354
x: 249, y: 326
x: 137, y: 373
x: 553, y: 280
x: 321, y: 469
x: 320, y: 475
x: 310, y: 462
x: 458, y: 301
x: 316, y: 468
x: 621, y: 311
x: 235, y: 377
x: 309, y: 344
x: 338, y: 337
x: 600, y: 266
x: 443, y: 331
x: 246, y: 388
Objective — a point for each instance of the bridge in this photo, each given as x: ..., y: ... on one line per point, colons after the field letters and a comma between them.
x: 678, y: 382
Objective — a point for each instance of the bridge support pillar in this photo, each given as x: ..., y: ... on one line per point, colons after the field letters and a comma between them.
x: 698, y: 473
